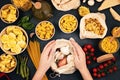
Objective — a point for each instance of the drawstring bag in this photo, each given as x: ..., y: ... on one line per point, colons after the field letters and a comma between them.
x: 63, y: 62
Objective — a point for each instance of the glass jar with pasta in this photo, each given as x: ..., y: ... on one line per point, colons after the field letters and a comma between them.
x: 108, y: 46
x: 24, y: 5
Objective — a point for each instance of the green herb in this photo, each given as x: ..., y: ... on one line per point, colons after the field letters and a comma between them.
x: 25, y: 23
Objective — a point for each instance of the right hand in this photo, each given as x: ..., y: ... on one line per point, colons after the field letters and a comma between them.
x: 79, y: 56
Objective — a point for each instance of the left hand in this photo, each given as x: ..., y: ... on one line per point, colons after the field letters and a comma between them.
x: 47, y: 56
x: 45, y: 61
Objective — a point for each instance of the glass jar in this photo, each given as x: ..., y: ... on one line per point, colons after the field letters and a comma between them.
x: 109, y: 45
x: 24, y: 5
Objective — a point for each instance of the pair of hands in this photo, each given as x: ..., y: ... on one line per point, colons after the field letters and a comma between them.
x: 47, y: 56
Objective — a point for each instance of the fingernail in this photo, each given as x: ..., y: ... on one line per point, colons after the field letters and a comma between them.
x: 71, y: 39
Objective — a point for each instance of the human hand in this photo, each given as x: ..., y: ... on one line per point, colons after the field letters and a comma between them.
x: 79, y: 56
x: 80, y: 61
x: 45, y: 61
x: 47, y: 56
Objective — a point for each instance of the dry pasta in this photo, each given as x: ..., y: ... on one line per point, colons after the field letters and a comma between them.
x: 35, y: 54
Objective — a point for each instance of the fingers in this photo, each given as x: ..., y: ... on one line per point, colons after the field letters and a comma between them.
x: 76, y: 45
x: 74, y: 52
x: 51, y: 54
x: 48, y: 47
x: 49, y: 44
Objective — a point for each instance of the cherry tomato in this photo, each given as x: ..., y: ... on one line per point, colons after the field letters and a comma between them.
x: 94, y: 70
x: 94, y: 58
x: 99, y: 75
x: 95, y: 74
x: 85, y: 49
x: 105, y: 64
x: 110, y: 70
x: 101, y: 66
x: 103, y: 74
x: 87, y: 57
x: 92, y: 50
x: 109, y: 61
x: 88, y: 46
x: 88, y: 62
x: 115, y: 68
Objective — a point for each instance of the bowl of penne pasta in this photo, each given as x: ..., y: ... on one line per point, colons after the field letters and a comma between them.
x: 45, y: 30
x: 68, y: 23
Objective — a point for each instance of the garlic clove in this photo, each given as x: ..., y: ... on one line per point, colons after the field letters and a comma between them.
x: 32, y: 34
x: 84, y: 1
x: 91, y: 2
x: 99, y: 0
x: 65, y: 50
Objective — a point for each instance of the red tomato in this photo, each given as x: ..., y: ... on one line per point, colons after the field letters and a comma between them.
x: 85, y: 49
x: 95, y: 74
x: 62, y: 62
x: 103, y: 74
x: 109, y: 62
x: 88, y: 62
x: 99, y: 75
x: 92, y: 50
x: 88, y: 46
x: 94, y: 58
x: 94, y: 70
x: 105, y: 64
x: 110, y: 70
x: 87, y: 57
x: 101, y: 66
x: 115, y: 68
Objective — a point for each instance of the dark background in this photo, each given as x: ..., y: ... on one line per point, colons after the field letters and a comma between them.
x: 111, y: 23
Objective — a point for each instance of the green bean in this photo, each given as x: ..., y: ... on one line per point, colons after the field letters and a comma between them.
x: 27, y: 77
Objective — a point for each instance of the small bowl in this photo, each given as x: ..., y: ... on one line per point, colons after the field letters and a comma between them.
x: 6, y: 7
x: 68, y: 27
x: 45, y: 30
x: 108, y: 46
x: 8, y: 65
x: 25, y: 37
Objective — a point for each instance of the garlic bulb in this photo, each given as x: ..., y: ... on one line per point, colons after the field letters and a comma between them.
x: 99, y: 0
x: 65, y: 50
x: 91, y: 2
x: 84, y: 1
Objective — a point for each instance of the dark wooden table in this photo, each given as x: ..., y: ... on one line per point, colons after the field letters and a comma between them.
x: 111, y: 23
